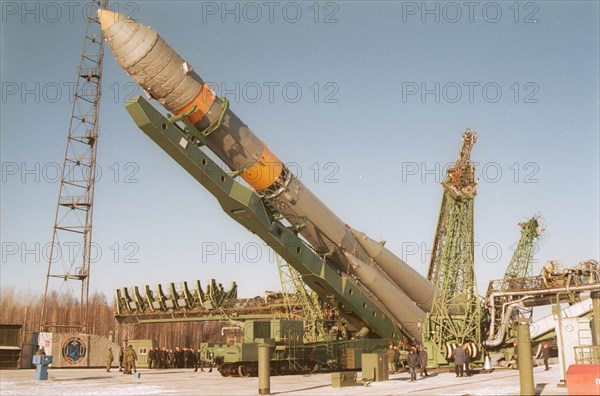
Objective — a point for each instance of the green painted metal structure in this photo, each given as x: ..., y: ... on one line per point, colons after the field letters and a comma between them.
x: 456, y: 316
x: 300, y: 302
x: 183, y: 142
x: 521, y: 263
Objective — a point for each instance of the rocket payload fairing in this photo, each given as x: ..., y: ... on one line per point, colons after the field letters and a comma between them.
x: 170, y: 80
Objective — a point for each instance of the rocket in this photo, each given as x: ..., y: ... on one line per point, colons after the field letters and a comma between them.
x: 172, y: 82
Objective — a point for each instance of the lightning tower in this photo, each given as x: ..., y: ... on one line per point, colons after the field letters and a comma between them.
x: 71, y: 248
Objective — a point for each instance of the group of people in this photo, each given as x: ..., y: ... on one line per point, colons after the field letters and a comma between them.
x: 179, y: 358
x: 462, y: 359
x: 127, y: 359
x: 160, y: 358
x: 415, y: 358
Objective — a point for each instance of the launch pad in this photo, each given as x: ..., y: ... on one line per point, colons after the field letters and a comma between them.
x: 187, y: 382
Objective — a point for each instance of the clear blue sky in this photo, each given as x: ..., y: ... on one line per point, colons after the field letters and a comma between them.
x: 386, y: 93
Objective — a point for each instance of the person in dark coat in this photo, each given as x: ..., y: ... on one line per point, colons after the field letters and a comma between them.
x: 178, y: 358
x: 467, y: 360
x: 188, y: 358
x: 459, y: 360
x: 164, y: 358
x: 546, y: 355
x: 121, y: 356
x: 151, y: 358
x: 196, y: 359
x: 413, y: 362
x: 171, y: 361
x: 423, y: 358
x: 157, y: 358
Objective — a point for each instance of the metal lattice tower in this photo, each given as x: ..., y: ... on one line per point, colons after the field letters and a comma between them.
x: 521, y: 263
x: 456, y: 311
x: 71, y: 247
x: 301, y: 303
x: 517, y: 276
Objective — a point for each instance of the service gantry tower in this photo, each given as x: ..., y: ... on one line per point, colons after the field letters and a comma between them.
x: 456, y: 313
x: 521, y: 263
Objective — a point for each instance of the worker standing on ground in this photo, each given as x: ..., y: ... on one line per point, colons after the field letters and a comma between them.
x: 211, y: 361
x: 413, y: 362
x: 391, y: 362
x: 467, y: 360
x: 459, y: 360
x: 423, y: 358
x: 151, y: 357
x: 121, y: 355
x: 130, y: 358
x: 109, y: 359
x: 156, y: 358
x: 196, y: 359
x: 126, y: 367
x: 546, y: 355
x: 396, y: 359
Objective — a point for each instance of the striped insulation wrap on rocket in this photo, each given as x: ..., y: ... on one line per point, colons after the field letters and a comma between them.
x: 166, y: 77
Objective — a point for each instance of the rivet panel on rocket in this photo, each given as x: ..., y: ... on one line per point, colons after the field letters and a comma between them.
x: 169, y: 79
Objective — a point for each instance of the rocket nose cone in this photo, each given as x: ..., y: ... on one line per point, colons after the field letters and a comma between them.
x: 107, y: 18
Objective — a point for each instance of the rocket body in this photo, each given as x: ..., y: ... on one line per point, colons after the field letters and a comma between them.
x: 410, y: 281
x: 169, y: 79
x: 396, y: 302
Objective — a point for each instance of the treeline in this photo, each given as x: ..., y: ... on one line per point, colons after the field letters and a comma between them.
x: 62, y: 311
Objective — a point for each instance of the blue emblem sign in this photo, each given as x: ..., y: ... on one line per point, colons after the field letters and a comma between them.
x: 73, y: 350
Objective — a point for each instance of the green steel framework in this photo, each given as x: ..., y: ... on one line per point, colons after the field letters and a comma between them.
x: 456, y: 316
x: 184, y: 144
x: 521, y: 263
x: 518, y: 273
x: 301, y: 303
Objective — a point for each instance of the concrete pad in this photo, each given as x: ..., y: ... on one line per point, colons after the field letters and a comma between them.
x: 186, y: 382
